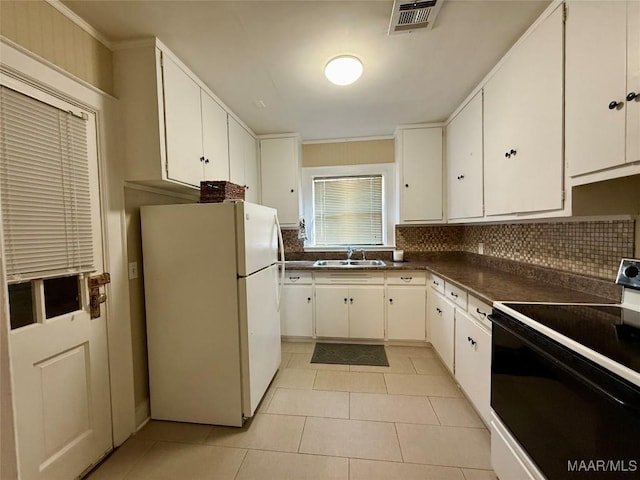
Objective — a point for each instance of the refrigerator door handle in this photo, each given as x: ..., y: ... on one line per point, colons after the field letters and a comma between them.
x: 282, y: 260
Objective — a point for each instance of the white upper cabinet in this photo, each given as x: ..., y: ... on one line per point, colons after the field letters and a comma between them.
x: 279, y: 159
x: 602, y: 100
x: 215, y: 146
x: 174, y: 129
x: 183, y: 125
x: 243, y: 160
x: 419, y: 152
x: 464, y: 162
x: 523, y: 106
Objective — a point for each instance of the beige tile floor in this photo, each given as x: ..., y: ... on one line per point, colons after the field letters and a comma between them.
x: 406, y: 421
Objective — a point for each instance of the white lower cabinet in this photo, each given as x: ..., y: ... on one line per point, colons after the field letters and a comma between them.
x: 296, y: 305
x: 473, y: 361
x: 332, y: 311
x: 440, y: 318
x: 406, y: 306
x: 350, y: 311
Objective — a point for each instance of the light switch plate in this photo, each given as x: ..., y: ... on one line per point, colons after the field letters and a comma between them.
x: 133, y: 270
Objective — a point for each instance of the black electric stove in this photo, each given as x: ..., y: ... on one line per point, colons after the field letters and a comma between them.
x: 612, y: 331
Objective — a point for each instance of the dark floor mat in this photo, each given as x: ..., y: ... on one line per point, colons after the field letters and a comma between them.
x: 350, y: 354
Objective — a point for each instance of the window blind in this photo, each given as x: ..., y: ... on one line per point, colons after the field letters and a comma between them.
x: 44, y: 189
x: 348, y: 210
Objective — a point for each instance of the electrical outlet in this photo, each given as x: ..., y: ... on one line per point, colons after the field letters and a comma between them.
x: 480, y: 248
x: 133, y: 270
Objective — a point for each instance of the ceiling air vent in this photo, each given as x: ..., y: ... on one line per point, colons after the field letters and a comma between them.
x: 409, y: 16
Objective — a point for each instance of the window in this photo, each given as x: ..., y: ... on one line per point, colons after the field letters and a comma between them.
x: 44, y: 189
x: 45, y: 205
x: 348, y: 210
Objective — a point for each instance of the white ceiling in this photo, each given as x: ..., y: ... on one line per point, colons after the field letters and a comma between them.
x: 275, y: 51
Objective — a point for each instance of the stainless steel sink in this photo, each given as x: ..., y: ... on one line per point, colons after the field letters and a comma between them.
x: 367, y: 263
x: 349, y: 263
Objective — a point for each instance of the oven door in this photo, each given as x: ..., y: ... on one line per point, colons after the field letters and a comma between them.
x: 575, y: 419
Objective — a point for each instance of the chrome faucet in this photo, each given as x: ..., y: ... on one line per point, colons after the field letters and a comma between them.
x: 364, y: 253
x: 349, y: 252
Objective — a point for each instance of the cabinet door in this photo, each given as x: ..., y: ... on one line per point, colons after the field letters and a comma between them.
x: 366, y: 312
x: 215, y: 141
x: 421, y: 188
x: 523, y: 107
x: 251, y: 168
x: 183, y: 124
x: 633, y: 81
x: 236, y: 152
x: 296, y: 311
x: 406, y: 313
x: 464, y: 162
x: 473, y: 362
x: 279, y: 172
x: 595, y: 134
x: 441, y: 327
x: 332, y: 311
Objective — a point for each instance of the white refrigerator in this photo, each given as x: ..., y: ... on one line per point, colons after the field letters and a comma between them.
x: 212, y: 293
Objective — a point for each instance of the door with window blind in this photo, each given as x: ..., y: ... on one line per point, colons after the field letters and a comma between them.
x: 52, y: 243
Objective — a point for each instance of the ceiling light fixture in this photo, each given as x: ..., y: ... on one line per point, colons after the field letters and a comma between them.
x: 343, y: 70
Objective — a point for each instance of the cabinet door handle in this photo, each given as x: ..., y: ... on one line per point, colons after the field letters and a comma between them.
x: 345, y: 300
x: 202, y: 159
x: 308, y: 299
x: 351, y: 301
x: 454, y: 294
x: 292, y: 190
x: 391, y: 301
x: 460, y: 177
x: 510, y: 153
x: 439, y: 311
x: 406, y: 185
x: 206, y: 160
x: 406, y: 279
x: 472, y: 341
x: 632, y: 96
x: 294, y: 278
x: 246, y: 187
x: 613, y: 105
x: 480, y: 312
x: 436, y: 283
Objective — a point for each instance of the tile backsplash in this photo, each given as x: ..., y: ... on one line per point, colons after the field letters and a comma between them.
x: 592, y: 248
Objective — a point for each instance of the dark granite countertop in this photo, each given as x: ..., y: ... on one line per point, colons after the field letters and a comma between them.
x: 515, y: 282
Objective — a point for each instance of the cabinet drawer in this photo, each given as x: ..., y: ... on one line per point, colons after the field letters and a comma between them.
x: 298, y: 277
x: 479, y: 310
x: 456, y: 295
x: 406, y: 278
x: 350, y: 278
x: 437, y: 283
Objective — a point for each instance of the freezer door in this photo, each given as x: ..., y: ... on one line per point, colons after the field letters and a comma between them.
x: 259, y: 335
x: 257, y: 234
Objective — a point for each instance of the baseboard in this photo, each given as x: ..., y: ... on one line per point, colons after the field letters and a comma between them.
x: 143, y: 414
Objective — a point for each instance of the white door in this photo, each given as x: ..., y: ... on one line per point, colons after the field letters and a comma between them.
x: 59, y: 359
x: 215, y: 145
x: 297, y: 311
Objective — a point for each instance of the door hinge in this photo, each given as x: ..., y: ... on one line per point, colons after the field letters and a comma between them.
x: 564, y: 195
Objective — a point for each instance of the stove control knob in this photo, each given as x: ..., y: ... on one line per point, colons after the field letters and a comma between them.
x: 631, y: 271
